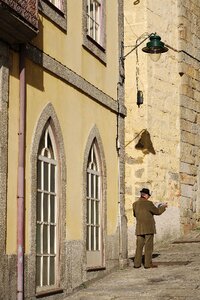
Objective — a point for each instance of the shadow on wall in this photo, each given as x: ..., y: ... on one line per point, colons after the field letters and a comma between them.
x: 35, y: 72
x: 145, y: 144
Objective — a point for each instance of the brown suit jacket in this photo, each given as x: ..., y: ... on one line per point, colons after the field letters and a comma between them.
x: 144, y: 211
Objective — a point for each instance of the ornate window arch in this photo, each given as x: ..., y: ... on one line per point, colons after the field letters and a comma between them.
x: 47, y: 215
x: 94, y: 201
x: 48, y: 204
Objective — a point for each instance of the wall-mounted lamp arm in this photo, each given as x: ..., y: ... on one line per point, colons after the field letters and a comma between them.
x: 138, y: 44
x: 155, y: 47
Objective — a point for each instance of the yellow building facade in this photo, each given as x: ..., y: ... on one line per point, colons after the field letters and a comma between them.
x: 62, y: 148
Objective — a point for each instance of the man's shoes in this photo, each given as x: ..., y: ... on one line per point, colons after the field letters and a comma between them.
x: 151, y: 266
x: 137, y: 267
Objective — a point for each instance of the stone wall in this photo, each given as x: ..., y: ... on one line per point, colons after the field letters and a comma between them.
x: 162, y: 136
x: 189, y: 57
x: 153, y: 129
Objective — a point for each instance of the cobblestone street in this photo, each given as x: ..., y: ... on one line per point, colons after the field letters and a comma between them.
x: 177, y: 276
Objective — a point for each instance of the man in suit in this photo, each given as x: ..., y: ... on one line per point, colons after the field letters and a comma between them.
x: 144, y: 211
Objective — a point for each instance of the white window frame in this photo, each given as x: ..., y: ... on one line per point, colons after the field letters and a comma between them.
x: 94, y: 20
x: 94, y: 200
x: 45, y: 220
x: 94, y: 210
x: 95, y: 40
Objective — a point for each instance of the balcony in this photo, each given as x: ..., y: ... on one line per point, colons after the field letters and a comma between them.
x: 18, y: 20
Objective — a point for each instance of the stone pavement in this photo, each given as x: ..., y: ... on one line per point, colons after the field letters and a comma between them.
x: 177, y: 276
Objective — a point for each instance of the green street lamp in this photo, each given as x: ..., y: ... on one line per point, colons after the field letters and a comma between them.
x: 155, y: 47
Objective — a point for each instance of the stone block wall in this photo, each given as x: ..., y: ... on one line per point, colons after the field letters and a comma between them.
x: 164, y: 106
x: 189, y: 61
x: 162, y: 135
x: 153, y: 134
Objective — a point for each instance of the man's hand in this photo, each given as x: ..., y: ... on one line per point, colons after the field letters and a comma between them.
x: 163, y: 204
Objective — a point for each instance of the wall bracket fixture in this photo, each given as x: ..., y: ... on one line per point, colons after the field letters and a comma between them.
x: 155, y: 47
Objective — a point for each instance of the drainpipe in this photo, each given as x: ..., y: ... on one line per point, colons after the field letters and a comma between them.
x: 21, y: 176
x: 120, y: 141
x: 120, y: 151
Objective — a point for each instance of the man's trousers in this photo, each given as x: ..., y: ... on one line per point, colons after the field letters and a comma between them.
x: 144, y: 241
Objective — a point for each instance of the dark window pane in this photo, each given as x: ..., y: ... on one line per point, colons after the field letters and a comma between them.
x: 88, y: 191
x: 52, y: 270
x: 45, y: 239
x: 52, y: 207
x: 39, y: 166
x: 38, y: 239
x: 39, y: 206
x: 92, y: 237
x: 92, y: 211
x: 97, y: 187
x: 89, y: 159
x: 97, y: 238
x: 91, y: 7
x: 38, y: 264
x: 52, y: 239
x: 45, y: 270
x: 46, y: 174
x: 46, y: 153
x: 88, y: 211
x: 49, y: 145
x: 95, y: 162
x: 41, y: 146
x: 97, y: 212
x: 92, y: 185
x: 45, y: 208
x: 52, y: 178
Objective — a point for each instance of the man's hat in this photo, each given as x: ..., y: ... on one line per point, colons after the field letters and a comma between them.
x: 145, y: 191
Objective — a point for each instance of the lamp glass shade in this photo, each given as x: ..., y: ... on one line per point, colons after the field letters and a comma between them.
x: 155, y: 56
x: 155, y: 45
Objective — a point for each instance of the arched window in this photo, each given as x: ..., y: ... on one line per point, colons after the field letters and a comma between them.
x: 94, y: 222
x: 47, y: 212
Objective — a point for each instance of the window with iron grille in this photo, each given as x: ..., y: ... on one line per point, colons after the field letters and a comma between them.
x: 46, y: 215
